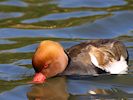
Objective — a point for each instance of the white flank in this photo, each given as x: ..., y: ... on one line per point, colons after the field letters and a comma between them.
x: 115, y: 67
x: 94, y: 61
x: 92, y: 92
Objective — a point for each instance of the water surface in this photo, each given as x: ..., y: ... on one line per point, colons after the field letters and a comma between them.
x: 24, y: 23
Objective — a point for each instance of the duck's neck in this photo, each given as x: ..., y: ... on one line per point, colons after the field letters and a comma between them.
x: 67, y: 58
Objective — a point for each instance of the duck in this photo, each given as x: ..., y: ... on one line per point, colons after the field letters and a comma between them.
x: 86, y: 58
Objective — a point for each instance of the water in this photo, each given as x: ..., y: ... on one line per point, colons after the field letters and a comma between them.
x: 24, y: 23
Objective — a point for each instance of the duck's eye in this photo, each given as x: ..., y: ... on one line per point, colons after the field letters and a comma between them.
x: 45, y: 65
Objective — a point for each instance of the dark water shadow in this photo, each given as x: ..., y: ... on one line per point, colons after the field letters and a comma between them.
x: 54, y: 89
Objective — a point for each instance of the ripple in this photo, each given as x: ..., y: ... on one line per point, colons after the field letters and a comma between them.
x: 89, y: 3
x: 130, y: 53
x: 106, y: 82
x: 13, y: 72
x: 22, y: 62
x: 5, y: 33
x: 2, y: 41
x: 109, y: 27
x: 29, y: 48
x: 18, y: 3
x: 61, y: 16
x: 17, y: 93
x: 9, y: 15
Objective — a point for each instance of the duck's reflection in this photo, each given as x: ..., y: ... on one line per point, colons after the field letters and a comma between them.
x: 114, y: 93
x: 103, y: 94
x: 53, y: 89
x: 58, y: 88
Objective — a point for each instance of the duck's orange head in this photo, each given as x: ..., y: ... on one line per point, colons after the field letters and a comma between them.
x: 49, y: 60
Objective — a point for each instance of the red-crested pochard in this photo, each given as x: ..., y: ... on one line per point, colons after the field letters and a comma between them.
x: 87, y: 58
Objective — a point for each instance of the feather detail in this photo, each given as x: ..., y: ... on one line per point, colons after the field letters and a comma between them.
x: 117, y: 67
x: 113, y: 66
x: 111, y: 57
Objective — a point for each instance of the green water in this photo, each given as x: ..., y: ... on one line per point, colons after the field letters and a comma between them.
x: 24, y: 23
